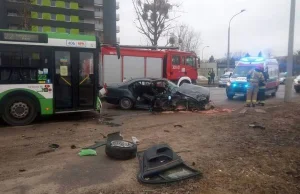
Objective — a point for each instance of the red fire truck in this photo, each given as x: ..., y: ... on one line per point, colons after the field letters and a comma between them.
x: 138, y: 62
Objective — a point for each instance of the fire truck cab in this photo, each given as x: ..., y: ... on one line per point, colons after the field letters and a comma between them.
x: 177, y: 66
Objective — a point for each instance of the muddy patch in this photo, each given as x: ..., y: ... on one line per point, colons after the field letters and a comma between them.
x: 87, y: 171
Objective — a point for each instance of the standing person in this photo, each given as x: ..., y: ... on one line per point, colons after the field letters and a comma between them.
x: 261, y: 96
x: 253, y: 77
x: 209, y: 78
x: 212, y: 77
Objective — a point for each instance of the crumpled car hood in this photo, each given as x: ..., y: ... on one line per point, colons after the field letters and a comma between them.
x: 199, y: 93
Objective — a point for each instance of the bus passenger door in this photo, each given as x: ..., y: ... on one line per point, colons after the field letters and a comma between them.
x: 63, y: 83
x: 87, y: 80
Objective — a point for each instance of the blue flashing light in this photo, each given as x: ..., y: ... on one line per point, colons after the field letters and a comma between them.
x: 259, y: 59
x: 233, y: 85
x: 244, y: 59
x: 246, y: 86
x: 252, y: 59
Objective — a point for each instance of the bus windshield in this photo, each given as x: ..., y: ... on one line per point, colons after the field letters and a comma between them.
x: 242, y: 71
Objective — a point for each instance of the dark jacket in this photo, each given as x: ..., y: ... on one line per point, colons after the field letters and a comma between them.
x: 266, y: 77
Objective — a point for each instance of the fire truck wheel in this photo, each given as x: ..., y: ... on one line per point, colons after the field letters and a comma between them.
x: 126, y: 103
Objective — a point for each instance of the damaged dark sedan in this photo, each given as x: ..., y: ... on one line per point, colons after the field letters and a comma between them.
x: 159, y: 94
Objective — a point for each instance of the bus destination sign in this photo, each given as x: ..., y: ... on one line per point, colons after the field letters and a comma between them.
x: 23, y: 37
x: 10, y: 36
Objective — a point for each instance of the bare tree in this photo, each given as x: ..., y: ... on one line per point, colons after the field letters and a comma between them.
x: 238, y: 55
x: 153, y: 18
x: 25, y: 13
x: 188, y: 38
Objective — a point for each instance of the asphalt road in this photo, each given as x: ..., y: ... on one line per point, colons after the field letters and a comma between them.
x: 219, y: 98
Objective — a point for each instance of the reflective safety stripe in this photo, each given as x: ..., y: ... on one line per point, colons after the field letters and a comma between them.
x: 248, y: 101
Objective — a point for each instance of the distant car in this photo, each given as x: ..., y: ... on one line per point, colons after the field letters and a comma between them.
x: 297, y: 84
x: 282, y: 77
x: 224, y: 79
x: 147, y: 92
x: 202, y: 80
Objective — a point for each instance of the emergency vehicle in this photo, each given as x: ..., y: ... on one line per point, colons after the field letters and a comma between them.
x: 238, y: 80
x: 139, y: 62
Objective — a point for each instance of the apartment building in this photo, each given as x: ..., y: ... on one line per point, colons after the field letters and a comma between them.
x: 93, y: 17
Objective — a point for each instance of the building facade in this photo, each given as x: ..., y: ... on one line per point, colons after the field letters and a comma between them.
x: 64, y: 16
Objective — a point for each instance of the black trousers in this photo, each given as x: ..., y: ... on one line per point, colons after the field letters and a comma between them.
x: 261, y: 96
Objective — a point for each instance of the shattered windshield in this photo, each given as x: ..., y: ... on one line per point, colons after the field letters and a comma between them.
x: 172, y: 86
x: 242, y: 71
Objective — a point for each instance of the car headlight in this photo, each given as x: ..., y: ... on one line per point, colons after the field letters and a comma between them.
x: 228, y: 83
x: 296, y: 81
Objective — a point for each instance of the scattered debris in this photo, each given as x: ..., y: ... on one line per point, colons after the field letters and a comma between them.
x: 183, y: 151
x: 256, y: 126
x: 243, y: 111
x: 45, y: 152
x: 167, y: 131
x: 87, y: 152
x: 193, y: 164
x: 180, y: 126
x: 260, y: 110
x: 22, y: 170
x: 96, y: 145
x: 159, y: 164
x: 54, y: 146
x: 135, y: 140
x: 218, y: 110
x: 73, y: 147
x: 168, y: 112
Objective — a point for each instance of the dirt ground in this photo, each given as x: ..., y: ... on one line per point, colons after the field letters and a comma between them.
x: 233, y: 157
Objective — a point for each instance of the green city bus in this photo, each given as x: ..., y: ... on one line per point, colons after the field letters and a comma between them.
x: 46, y: 74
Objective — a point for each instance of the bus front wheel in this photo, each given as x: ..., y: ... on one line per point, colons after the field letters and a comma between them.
x: 19, y: 110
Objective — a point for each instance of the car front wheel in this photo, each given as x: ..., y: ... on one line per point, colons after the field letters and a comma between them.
x: 126, y: 103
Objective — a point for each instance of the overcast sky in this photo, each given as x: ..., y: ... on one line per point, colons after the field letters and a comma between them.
x: 263, y: 26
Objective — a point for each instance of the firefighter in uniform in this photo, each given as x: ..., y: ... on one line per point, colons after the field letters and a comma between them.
x: 253, y: 77
x: 261, y: 96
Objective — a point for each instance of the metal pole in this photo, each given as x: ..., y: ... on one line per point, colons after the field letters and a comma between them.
x: 228, y: 48
x: 290, y: 61
x: 203, y: 51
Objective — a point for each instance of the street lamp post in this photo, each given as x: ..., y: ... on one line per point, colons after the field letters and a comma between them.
x: 290, y: 61
x: 228, y: 49
x: 203, y: 51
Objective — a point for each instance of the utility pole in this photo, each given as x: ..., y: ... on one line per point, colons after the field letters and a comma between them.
x: 228, y: 48
x: 203, y: 51
x: 290, y: 61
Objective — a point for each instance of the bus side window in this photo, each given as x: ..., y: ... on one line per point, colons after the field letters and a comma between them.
x: 175, y: 60
x: 5, y: 74
x: 32, y: 59
x: 10, y: 59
